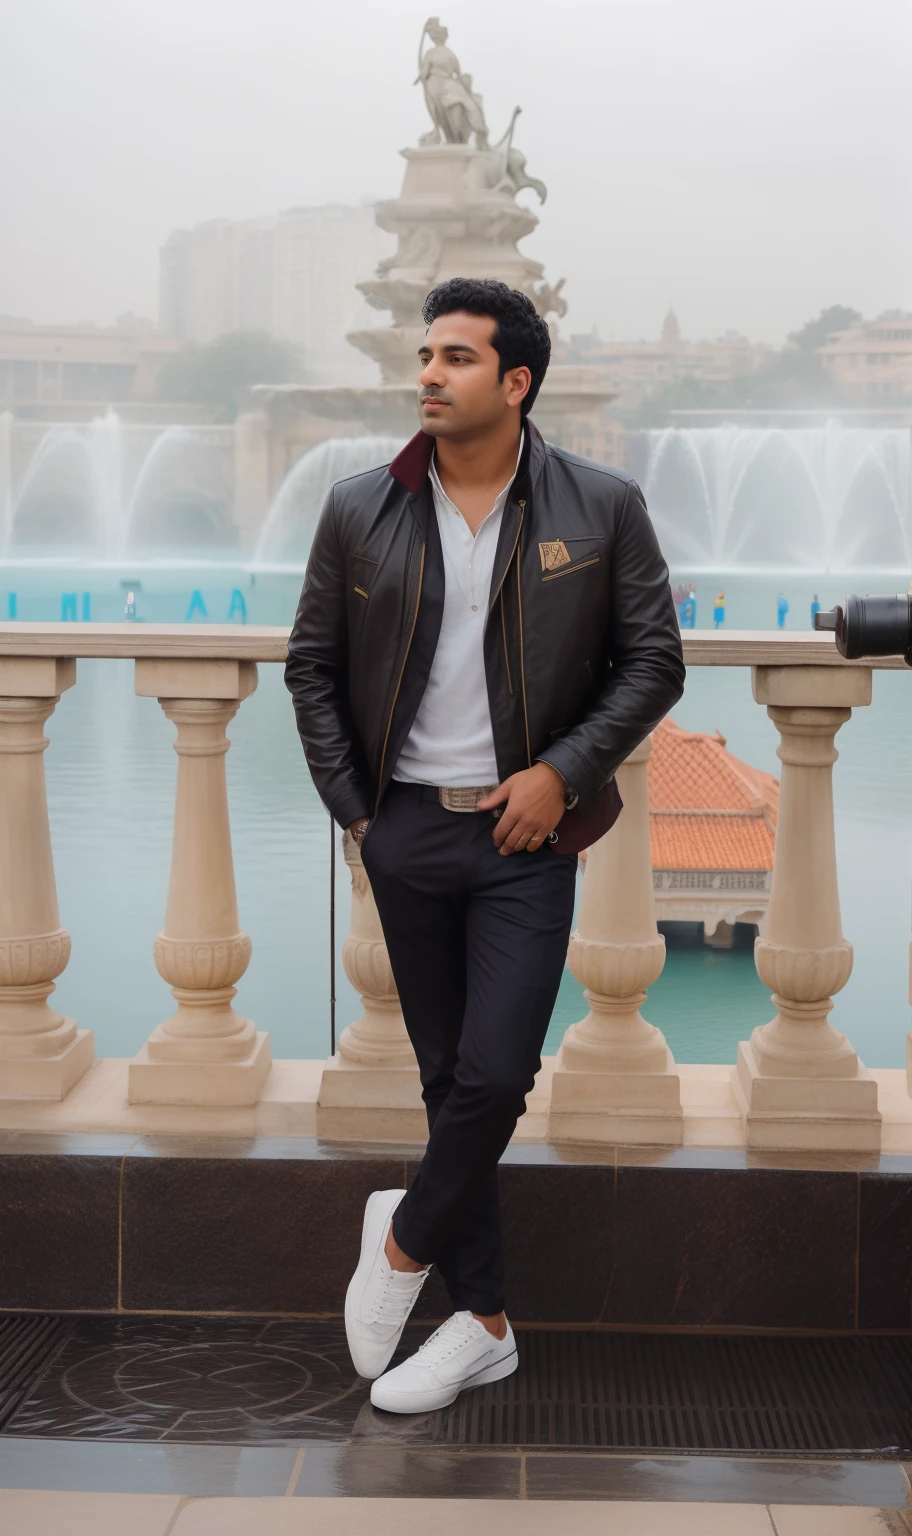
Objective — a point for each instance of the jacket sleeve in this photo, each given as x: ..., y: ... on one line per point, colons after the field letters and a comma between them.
x: 643, y: 673
x: 316, y: 676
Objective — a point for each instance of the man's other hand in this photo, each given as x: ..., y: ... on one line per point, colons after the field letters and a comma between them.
x: 533, y: 804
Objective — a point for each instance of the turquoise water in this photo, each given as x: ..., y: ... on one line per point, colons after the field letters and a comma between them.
x: 111, y: 774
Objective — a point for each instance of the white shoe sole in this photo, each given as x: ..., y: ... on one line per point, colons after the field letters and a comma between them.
x: 426, y: 1402
x: 378, y: 1214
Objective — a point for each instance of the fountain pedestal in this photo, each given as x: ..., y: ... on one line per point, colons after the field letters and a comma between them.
x: 456, y: 216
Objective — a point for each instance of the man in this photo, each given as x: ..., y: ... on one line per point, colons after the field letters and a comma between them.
x: 486, y: 631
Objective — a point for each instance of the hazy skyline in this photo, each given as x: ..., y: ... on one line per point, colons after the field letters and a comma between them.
x: 745, y: 162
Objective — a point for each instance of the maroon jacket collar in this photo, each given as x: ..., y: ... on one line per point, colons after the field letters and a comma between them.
x: 412, y: 464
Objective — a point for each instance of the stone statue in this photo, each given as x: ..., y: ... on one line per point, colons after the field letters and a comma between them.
x: 419, y: 252
x: 455, y: 109
x: 506, y: 166
x: 548, y: 300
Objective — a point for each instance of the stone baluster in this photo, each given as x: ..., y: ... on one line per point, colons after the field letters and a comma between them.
x: 206, y: 1053
x: 42, y: 1054
x: 370, y: 1088
x: 798, y: 1081
x: 614, y: 1077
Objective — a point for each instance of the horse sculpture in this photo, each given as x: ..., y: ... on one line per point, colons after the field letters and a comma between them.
x: 507, y: 166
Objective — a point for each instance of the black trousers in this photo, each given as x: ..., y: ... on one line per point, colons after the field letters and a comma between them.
x: 477, y: 943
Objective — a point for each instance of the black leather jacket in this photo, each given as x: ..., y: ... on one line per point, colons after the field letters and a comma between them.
x: 582, y: 646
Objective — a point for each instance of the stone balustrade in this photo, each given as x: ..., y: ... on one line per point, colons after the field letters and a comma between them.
x: 797, y: 1083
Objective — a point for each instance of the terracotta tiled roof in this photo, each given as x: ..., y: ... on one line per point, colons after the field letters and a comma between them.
x: 711, y: 842
x: 707, y: 809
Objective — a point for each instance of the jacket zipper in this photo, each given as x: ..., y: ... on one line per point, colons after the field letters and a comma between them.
x: 389, y: 723
x: 503, y: 629
x: 522, y: 654
x: 494, y: 595
x: 569, y: 569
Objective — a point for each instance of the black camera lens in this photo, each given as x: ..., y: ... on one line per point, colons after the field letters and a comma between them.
x: 870, y: 626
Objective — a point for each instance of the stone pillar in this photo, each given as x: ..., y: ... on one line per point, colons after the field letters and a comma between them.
x: 614, y: 1077
x: 370, y: 1088
x: 42, y: 1054
x: 205, y: 1053
x: 798, y: 1081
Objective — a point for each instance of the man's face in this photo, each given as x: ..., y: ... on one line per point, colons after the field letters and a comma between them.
x: 460, y: 392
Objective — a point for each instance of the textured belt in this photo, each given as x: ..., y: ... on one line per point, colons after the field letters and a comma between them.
x: 464, y: 799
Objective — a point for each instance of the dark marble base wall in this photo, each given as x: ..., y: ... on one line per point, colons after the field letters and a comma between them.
x: 621, y: 1237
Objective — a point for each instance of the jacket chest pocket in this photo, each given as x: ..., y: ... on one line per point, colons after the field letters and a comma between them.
x: 562, y: 558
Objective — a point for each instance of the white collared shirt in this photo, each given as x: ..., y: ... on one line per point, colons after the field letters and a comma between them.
x: 451, y: 742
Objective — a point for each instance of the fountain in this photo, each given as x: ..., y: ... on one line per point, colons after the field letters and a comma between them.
x: 105, y: 491
x: 723, y: 498
x: 180, y: 501
x: 57, y: 504
x: 289, y: 528
x: 828, y: 498
x: 457, y: 215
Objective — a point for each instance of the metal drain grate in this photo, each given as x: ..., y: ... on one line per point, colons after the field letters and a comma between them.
x: 259, y: 1381
x: 27, y: 1344
x: 657, y: 1392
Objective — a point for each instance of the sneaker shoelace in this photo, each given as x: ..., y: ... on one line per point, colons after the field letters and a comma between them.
x: 394, y: 1303
x: 450, y: 1337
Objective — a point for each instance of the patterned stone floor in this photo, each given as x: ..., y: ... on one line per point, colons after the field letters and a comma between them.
x: 256, y: 1381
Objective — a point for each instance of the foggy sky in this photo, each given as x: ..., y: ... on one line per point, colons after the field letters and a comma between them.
x: 745, y: 160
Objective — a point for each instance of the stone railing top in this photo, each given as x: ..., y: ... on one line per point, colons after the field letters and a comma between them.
x: 268, y: 642
x: 772, y: 648
x: 228, y: 642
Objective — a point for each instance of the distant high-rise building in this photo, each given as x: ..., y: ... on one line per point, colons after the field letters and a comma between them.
x: 292, y: 275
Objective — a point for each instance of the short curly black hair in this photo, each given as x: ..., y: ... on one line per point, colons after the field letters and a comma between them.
x: 521, y: 338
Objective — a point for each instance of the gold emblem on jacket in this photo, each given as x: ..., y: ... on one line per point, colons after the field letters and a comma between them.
x: 553, y: 555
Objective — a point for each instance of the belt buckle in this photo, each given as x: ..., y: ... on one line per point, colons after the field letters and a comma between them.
x: 464, y: 800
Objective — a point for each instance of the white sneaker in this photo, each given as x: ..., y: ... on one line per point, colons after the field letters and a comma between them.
x: 460, y: 1354
x: 379, y: 1299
